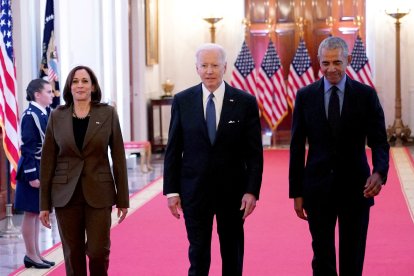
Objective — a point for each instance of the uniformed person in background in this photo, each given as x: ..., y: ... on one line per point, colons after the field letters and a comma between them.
x: 33, y: 126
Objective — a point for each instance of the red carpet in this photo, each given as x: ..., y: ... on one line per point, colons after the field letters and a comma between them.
x: 390, y: 245
x: 151, y: 242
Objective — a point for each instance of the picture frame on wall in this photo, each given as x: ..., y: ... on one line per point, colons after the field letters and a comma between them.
x: 151, y: 32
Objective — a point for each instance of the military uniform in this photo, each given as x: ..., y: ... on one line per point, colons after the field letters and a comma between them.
x: 33, y: 126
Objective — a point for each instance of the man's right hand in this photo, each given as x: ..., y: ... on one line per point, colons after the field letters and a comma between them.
x: 174, y: 204
x: 298, y: 205
x: 35, y: 183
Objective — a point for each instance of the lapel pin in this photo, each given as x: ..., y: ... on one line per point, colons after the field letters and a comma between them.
x: 231, y: 100
x: 97, y: 123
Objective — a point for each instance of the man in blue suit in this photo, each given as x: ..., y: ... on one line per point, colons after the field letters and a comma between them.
x: 213, y: 163
x: 337, y: 117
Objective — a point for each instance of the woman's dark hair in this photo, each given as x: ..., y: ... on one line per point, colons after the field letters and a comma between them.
x: 96, y: 95
x: 34, y: 86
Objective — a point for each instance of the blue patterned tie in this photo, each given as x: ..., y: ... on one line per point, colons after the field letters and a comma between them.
x: 211, y: 118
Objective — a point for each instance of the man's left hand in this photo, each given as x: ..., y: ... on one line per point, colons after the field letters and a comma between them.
x: 122, y: 212
x: 248, y: 203
x: 373, y: 185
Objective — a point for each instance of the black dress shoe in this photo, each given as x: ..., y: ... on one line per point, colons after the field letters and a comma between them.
x: 48, y: 262
x: 30, y: 263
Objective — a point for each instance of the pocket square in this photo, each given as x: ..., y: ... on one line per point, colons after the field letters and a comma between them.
x: 234, y: 122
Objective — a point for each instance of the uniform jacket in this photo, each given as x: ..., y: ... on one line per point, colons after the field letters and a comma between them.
x: 33, y: 126
x: 63, y: 166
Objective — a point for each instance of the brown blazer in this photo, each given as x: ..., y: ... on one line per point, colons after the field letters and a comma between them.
x: 62, y: 165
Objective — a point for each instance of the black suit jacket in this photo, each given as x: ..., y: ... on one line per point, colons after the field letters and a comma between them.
x: 222, y: 172
x: 339, y: 166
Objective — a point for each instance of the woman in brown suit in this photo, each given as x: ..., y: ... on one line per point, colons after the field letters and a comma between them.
x: 76, y: 177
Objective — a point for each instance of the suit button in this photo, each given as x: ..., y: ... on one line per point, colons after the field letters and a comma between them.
x: 332, y: 171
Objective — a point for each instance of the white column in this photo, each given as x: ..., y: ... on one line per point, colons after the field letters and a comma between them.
x: 26, y: 46
x: 139, y: 71
x: 108, y: 50
x: 121, y: 65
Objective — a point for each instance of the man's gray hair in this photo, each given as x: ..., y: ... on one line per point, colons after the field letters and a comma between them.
x: 334, y: 42
x: 211, y: 46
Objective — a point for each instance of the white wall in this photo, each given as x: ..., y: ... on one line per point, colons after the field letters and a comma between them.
x: 381, y: 53
x: 182, y: 30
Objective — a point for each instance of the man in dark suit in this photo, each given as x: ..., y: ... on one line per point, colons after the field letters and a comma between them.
x: 337, y: 116
x: 213, y: 163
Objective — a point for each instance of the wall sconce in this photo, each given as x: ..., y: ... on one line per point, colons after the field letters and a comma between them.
x: 213, y: 21
x: 398, y: 132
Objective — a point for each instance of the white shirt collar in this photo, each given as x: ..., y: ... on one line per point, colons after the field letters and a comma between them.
x: 218, y: 93
x: 41, y: 108
x: 340, y: 85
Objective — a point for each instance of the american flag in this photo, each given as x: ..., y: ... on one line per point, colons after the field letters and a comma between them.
x: 320, y: 74
x: 48, y: 65
x: 359, y: 68
x: 53, y: 70
x: 244, y: 72
x: 8, y: 102
x: 271, y: 87
x: 300, y: 72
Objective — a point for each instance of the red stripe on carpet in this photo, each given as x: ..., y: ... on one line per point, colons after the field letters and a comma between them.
x: 152, y: 242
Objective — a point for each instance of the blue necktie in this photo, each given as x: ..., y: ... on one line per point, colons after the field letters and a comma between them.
x: 211, y: 118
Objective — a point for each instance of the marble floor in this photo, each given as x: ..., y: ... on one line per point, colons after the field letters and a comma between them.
x: 12, y: 249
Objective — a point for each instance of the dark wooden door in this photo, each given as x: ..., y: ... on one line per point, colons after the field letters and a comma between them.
x: 276, y: 20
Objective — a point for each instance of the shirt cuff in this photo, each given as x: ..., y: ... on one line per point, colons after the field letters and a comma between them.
x: 172, y: 195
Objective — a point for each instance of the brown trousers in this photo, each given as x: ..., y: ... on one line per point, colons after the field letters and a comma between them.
x: 84, y: 230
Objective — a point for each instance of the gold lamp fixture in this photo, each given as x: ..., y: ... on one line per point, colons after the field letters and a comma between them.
x: 213, y: 21
x: 168, y: 87
x: 398, y: 132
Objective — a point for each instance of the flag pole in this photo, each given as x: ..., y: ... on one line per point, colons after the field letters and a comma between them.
x: 274, y: 138
x: 9, y: 231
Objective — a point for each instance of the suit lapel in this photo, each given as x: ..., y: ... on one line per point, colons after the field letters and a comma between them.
x: 198, y: 107
x: 229, y: 102
x: 96, y: 121
x: 349, y: 94
x: 197, y: 111
x: 66, y: 123
x: 320, y: 102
